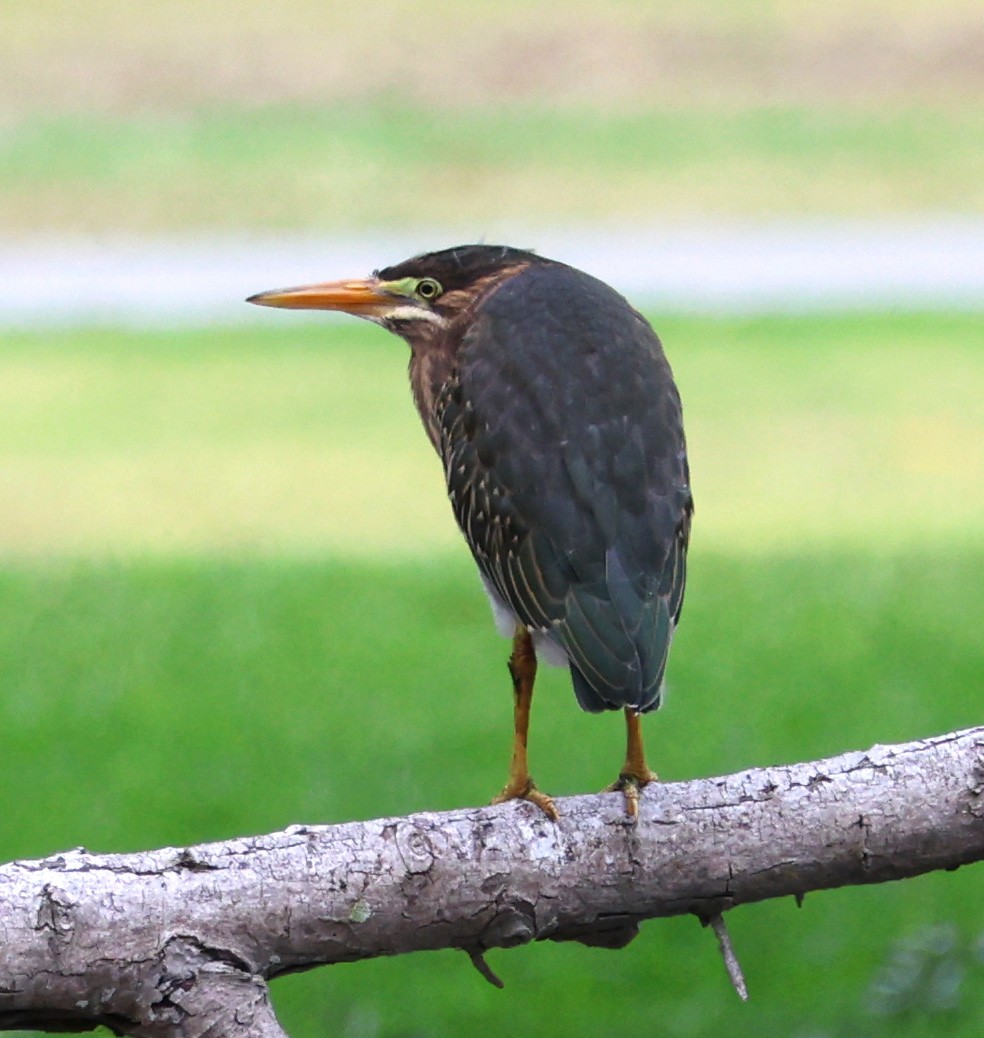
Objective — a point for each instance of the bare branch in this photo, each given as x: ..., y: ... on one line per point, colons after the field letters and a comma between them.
x: 182, y: 941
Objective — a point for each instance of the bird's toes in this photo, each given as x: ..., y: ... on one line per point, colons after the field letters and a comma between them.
x: 629, y: 784
x: 528, y: 791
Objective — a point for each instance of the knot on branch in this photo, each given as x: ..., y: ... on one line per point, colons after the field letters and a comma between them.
x: 55, y: 914
x: 200, y: 989
x: 512, y: 926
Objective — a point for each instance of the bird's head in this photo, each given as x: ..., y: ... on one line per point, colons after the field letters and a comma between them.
x: 418, y: 299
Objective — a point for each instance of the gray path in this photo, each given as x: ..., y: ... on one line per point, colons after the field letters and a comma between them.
x: 722, y: 269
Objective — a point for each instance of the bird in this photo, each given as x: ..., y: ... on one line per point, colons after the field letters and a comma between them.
x: 554, y: 411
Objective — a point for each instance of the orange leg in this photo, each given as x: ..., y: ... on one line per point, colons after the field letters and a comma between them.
x: 522, y: 667
x: 635, y: 772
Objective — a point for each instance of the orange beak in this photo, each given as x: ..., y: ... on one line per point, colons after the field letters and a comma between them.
x: 365, y: 298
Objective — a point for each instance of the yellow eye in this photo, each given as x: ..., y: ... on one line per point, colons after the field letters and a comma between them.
x: 428, y: 288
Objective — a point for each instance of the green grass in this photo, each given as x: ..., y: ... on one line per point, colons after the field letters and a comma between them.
x: 487, y: 171
x: 232, y: 598
x: 300, y: 438
x: 154, y: 703
x: 490, y: 122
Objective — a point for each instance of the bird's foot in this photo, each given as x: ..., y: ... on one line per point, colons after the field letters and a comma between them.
x: 525, y: 789
x: 629, y: 783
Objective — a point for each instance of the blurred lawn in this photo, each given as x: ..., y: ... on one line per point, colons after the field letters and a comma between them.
x: 152, y: 703
x: 864, y: 431
x: 490, y: 120
x: 210, y: 625
x: 383, y: 165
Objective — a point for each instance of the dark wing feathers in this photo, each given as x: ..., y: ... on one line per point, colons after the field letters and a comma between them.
x: 565, y: 460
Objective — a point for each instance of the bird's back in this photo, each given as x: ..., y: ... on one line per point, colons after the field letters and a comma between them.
x: 562, y: 437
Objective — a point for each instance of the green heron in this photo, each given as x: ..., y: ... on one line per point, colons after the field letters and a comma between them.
x: 553, y: 409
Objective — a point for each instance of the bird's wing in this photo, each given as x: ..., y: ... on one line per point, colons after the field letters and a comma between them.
x: 562, y: 439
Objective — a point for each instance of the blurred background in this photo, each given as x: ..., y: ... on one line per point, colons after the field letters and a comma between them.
x: 231, y: 592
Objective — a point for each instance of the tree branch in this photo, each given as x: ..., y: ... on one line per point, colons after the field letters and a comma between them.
x: 182, y: 941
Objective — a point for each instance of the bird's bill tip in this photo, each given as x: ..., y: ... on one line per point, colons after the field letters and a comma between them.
x: 355, y: 297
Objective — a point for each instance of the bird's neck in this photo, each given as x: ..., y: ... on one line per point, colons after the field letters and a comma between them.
x: 430, y: 369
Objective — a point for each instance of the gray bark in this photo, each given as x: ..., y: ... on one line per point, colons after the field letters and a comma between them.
x: 183, y: 941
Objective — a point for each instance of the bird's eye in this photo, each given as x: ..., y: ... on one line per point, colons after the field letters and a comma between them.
x: 428, y: 288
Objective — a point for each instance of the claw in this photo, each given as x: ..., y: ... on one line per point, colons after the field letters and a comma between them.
x: 629, y: 786
x: 528, y: 791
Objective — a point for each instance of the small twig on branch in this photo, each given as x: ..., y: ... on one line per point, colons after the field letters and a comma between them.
x: 478, y: 961
x: 731, y: 963
x: 179, y: 942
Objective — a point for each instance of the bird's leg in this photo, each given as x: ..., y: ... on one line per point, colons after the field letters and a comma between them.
x: 522, y: 668
x: 635, y: 772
